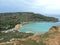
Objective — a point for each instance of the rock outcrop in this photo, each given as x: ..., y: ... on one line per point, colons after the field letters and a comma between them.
x: 17, y: 27
x: 54, y: 29
x: 54, y: 36
x: 34, y: 37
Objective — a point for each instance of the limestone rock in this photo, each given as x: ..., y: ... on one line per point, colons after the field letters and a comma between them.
x: 18, y: 26
x: 54, y: 29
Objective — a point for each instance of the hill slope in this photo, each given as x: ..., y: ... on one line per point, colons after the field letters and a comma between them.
x: 52, y: 37
x: 9, y: 20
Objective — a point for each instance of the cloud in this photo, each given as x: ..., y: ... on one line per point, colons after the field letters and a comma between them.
x: 43, y: 6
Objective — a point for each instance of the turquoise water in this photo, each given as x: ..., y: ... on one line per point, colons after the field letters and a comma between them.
x: 38, y: 27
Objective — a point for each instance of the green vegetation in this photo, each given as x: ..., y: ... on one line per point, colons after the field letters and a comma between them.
x: 10, y: 35
x: 9, y: 20
x: 18, y: 35
x: 22, y: 38
x: 29, y: 42
x: 9, y: 44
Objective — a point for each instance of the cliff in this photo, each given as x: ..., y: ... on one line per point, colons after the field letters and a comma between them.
x: 54, y: 29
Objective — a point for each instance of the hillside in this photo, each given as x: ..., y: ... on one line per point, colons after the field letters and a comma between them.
x: 9, y: 20
x: 52, y: 37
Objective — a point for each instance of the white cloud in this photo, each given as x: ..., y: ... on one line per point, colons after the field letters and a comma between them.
x: 33, y: 5
x: 53, y: 7
x: 46, y: 4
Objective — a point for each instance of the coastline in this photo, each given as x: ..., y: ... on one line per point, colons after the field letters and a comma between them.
x: 25, y: 23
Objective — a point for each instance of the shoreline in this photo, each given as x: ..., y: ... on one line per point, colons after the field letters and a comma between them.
x: 25, y: 23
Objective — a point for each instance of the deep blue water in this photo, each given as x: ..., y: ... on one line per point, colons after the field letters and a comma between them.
x: 38, y: 27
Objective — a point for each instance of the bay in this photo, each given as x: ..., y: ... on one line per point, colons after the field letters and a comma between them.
x: 38, y: 27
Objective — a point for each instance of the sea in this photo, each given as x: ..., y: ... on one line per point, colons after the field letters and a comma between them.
x: 38, y: 27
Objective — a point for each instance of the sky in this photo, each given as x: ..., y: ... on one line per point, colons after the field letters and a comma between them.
x: 47, y: 7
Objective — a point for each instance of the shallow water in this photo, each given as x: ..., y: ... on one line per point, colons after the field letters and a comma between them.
x: 38, y: 27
